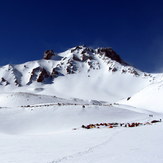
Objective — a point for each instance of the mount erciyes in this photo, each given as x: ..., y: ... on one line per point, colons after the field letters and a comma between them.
x: 73, y: 61
x: 82, y: 105
x: 79, y: 72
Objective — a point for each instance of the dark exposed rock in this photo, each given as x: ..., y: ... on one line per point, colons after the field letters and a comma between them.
x: 110, y: 53
x: 110, y: 68
x: 86, y: 57
x: 44, y: 74
x: 84, y: 49
x: 90, y: 65
x: 71, y: 67
x: 114, y: 69
x: 124, y: 71
x: 38, y: 74
x: 88, y: 51
x: 85, y: 54
x: 17, y: 83
x: 55, y: 73
x: 128, y: 98
x: 4, y: 81
x: 70, y: 70
x: 83, y: 58
x: 135, y: 73
x: 48, y: 54
x: 77, y: 48
x: 76, y: 58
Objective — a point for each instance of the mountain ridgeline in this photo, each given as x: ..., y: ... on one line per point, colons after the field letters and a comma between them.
x: 72, y: 61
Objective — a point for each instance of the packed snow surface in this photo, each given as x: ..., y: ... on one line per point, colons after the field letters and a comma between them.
x: 44, y: 133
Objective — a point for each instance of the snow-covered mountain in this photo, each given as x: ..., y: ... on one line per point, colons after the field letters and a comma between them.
x: 79, y: 72
x: 44, y: 105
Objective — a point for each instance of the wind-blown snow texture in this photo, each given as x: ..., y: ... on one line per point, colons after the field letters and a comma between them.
x: 44, y: 103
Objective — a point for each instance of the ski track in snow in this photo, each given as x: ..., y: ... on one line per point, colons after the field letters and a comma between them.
x: 90, y: 149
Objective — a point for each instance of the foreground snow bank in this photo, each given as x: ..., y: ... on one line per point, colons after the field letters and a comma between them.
x: 142, y: 144
x: 45, y: 134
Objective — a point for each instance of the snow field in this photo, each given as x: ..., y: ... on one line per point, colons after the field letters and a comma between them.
x: 46, y: 135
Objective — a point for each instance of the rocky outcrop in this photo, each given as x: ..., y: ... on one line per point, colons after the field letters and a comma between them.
x: 71, y: 68
x: 55, y: 72
x: 48, y: 54
x: 73, y: 61
x: 110, y: 53
x: 38, y: 74
x: 4, y: 81
x: 77, y: 48
x: 43, y: 74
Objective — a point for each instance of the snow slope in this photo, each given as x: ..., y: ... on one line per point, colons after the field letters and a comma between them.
x: 143, y: 145
x: 49, y: 119
x: 15, y: 99
x: 148, y: 98
x: 45, y: 134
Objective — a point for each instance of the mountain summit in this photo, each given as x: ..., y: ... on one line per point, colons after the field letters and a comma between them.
x: 74, y: 60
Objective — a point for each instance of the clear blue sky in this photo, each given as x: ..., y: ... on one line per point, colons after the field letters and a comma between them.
x: 134, y: 29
